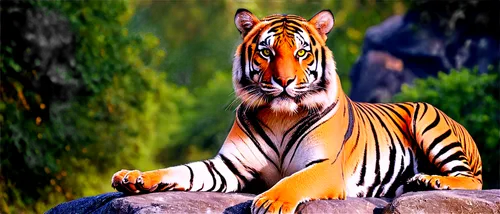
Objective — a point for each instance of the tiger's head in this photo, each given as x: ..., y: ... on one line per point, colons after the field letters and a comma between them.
x: 283, y: 62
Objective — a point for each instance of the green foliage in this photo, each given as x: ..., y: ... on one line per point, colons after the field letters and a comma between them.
x: 205, y: 124
x: 54, y: 150
x: 200, y: 36
x: 471, y: 99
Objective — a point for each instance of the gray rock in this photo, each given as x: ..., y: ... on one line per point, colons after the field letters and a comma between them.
x: 453, y: 201
x: 402, y: 48
x: 161, y: 202
x: 350, y: 205
x: 456, y: 201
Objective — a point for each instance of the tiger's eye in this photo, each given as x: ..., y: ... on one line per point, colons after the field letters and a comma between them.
x: 266, y: 52
x: 301, y: 52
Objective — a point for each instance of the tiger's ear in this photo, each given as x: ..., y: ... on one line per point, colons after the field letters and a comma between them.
x: 323, y: 21
x: 245, y: 21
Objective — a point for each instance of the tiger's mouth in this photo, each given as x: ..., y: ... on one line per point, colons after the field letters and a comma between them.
x: 285, y: 101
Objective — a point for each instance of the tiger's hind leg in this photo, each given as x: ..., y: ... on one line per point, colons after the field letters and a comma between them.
x: 449, y: 147
x: 445, y: 182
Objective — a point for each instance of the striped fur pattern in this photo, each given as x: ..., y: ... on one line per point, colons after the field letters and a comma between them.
x: 298, y: 137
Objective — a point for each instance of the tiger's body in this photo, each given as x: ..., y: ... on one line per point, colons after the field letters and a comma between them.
x: 298, y: 137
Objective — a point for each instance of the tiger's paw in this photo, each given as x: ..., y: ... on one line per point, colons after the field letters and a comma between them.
x: 135, y: 181
x: 270, y: 203
x: 428, y: 182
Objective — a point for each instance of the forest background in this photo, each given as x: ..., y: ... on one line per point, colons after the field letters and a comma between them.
x: 148, y: 85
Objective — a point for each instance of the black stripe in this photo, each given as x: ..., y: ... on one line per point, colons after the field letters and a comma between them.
x: 191, y: 174
x: 403, y: 107
x: 241, y: 116
x: 458, y: 168
x: 244, y: 79
x: 316, y: 161
x: 292, y: 21
x: 377, y: 181
x: 303, y: 120
x: 444, y: 150
x: 390, y: 173
x: 315, y: 72
x: 302, y: 138
x: 357, y: 141
x: 459, y: 155
x: 433, y: 124
x: 313, y: 41
x: 223, y: 186
x: 392, y: 154
x: 275, y: 22
x: 350, y: 127
x: 423, y: 113
x: 323, y: 81
x: 377, y: 156
x: 312, y: 118
x: 415, y: 120
x: 400, y: 180
x: 363, y: 169
x: 202, y: 185
x: 437, y: 141
x: 252, y: 119
x: 213, y: 176
x: 398, y: 125
x: 234, y: 170
x: 390, y: 108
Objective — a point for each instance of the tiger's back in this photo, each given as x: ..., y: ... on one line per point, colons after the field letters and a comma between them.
x: 387, y: 148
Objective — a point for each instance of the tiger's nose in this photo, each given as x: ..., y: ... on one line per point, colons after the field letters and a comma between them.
x: 283, y: 81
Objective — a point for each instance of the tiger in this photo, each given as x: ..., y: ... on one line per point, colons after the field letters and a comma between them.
x: 298, y: 137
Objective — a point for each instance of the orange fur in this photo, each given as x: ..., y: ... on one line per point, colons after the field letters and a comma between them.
x: 301, y: 138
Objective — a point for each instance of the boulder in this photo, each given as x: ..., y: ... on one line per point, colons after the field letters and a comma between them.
x: 453, y: 201
x: 456, y: 201
x: 403, y: 48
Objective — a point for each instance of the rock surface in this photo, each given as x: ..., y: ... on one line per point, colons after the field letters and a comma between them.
x: 455, y: 201
x: 401, y: 49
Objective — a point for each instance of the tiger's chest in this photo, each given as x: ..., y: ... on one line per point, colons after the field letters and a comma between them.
x: 289, y: 144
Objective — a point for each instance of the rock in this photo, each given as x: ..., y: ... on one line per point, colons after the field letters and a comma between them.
x: 456, y: 201
x: 405, y: 47
x: 160, y: 202
x: 350, y: 205
x: 94, y: 204
x: 486, y: 201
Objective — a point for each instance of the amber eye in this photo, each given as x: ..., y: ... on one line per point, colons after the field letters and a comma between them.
x: 266, y: 52
x: 301, y: 53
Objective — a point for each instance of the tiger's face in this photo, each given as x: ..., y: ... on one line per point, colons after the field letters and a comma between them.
x: 283, y: 62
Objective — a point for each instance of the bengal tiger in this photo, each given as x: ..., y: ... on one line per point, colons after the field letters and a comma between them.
x: 298, y: 137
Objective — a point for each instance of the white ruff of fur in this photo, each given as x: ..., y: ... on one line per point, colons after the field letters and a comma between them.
x: 325, y: 98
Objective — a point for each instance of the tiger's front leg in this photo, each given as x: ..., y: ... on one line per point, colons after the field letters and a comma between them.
x: 211, y: 175
x: 319, y: 181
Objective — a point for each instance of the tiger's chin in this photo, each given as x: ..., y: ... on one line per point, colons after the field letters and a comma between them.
x: 284, y: 105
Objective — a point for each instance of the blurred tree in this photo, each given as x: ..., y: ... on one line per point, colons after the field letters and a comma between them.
x: 78, y: 102
x: 205, y: 125
x: 201, y: 38
x: 472, y: 100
